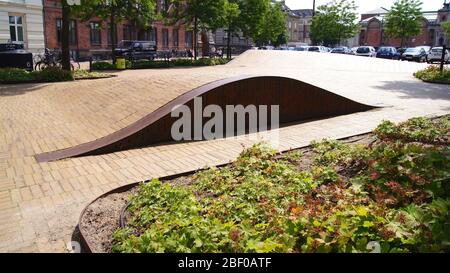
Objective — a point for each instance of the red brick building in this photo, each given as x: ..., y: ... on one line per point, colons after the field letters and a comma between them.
x: 372, y: 32
x: 93, y: 37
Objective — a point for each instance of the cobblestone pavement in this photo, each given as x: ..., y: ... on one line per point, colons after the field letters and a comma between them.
x: 40, y: 202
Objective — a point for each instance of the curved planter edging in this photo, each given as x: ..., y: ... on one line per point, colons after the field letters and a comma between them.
x: 86, y: 245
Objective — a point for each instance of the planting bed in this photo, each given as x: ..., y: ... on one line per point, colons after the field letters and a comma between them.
x: 390, y: 187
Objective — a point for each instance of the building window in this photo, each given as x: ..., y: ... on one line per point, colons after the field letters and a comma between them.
x: 72, y: 31
x: 128, y: 32
x: 148, y: 34
x: 165, y: 37
x: 16, y: 29
x: 175, y: 37
x: 96, y: 37
x: 188, y: 39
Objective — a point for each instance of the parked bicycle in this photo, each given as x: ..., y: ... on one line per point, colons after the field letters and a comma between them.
x: 52, y: 59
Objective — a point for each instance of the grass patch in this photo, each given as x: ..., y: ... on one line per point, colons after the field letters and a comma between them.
x: 86, y: 75
x: 434, y: 75
x: 393, y: 191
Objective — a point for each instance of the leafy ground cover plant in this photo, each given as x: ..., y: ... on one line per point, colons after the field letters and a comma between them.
x: 393, y: 192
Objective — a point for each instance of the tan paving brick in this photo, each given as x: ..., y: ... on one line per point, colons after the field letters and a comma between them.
x: 40, y: 202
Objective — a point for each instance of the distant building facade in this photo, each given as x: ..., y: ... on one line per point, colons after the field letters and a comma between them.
x: 372, y: 29
x: 239, y: 43
x: 298, y: 25
x: 21, y: 22
x: 93, y: 37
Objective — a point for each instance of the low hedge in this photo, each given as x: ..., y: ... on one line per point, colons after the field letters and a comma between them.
x: 433, y: 74
x: 105, y: 65
x: 51, y: 74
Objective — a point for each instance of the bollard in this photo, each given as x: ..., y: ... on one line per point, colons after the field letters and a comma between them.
x: 444, y: 50
x: 90, y: 64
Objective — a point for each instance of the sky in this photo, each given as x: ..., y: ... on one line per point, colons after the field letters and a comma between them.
x: 364, y: 5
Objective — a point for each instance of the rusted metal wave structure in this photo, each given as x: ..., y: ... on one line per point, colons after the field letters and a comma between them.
x: 298, y: 101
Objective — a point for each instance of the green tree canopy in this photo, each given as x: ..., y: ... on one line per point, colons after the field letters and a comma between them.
x: 404, y: 20
x: 446, y: 28
x: 199, y: 14
x: 334, y: 22
x: 272, y: 27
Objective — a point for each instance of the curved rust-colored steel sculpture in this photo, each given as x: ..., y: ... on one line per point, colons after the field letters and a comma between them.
x: 298, y: 101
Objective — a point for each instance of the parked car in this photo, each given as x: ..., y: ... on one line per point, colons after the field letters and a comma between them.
x: 416, y: 54
x: 266, y: 48
x: 301, y: 48
x: 353, y: 50
x: 366, y: 51
x: 387, y: 52
x: 13, y: 55
x: 320, y: 49
x: 341, y: 50
x: 136, y: 50
x: 435, y: 55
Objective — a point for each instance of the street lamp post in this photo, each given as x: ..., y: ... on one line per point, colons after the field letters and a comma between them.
x: 314, y: 7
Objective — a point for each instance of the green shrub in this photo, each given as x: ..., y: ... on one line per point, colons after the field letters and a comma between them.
x: 103, y: 65
x: 52, y: 74
x: 15, y: 75
x: 433, y: 74
x: 151, y: 64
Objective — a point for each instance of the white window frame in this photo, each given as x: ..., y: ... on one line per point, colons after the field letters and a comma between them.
x: 16, y: 27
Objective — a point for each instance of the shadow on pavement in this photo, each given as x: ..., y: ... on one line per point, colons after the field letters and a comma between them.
x: 417, y: 89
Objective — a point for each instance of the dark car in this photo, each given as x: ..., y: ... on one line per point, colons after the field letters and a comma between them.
x: 13, y: 55
x: 136, y: 50
x: 417, y: 54
x: 388, y: 52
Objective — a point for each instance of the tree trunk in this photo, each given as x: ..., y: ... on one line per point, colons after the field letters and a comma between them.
x: 113, y: 35
x: 205, y: 43
x: 65, y: 50
x: 229, y: 44
x: 195, y: 38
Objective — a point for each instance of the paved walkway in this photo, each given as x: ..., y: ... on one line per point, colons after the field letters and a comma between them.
x: 40, y: 203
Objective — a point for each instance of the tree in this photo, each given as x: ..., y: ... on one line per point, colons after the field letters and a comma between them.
x: 446, y: 28
x: 244, y: 16
x: 272, y: 27
x: 404, y: 20
x: 65, y: 47
x: 334, y: 22
x: 232, y: 22
x: 199, y: 14
x: 140, y: 12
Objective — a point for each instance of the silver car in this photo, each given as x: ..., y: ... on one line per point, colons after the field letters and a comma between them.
x: 366, y: 51
x: 435, y: 55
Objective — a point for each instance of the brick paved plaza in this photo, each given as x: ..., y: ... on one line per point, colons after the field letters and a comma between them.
x: 40, y: 202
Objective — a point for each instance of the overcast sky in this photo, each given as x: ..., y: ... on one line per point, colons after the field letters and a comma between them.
x: 364, y: 5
